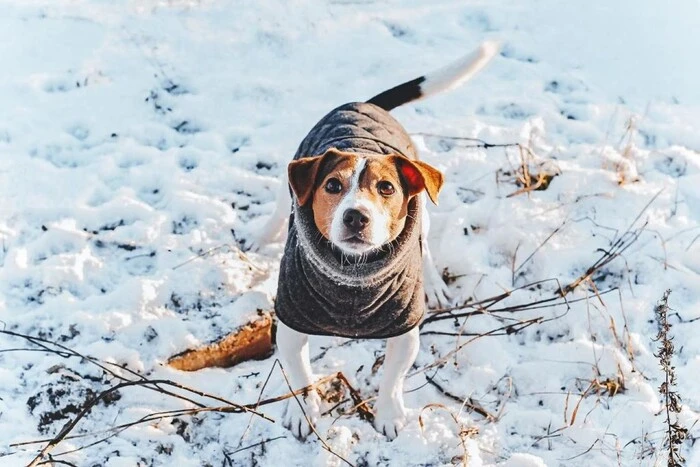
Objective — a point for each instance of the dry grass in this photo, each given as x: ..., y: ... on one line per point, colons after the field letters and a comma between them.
x: 625, y: 166
x: 675, y: 432
x: 463, y: 432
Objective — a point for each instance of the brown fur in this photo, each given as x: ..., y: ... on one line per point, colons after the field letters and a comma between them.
x: 309, y: 176
x: 324, y: 203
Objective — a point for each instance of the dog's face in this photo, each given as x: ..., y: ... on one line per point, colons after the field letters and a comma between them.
x: 360, y: 201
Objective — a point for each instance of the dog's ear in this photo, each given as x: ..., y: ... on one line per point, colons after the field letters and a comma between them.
x: 419, y: 176
x: 302, y: 175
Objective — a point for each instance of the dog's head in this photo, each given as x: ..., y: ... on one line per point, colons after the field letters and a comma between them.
x: 360, y: 201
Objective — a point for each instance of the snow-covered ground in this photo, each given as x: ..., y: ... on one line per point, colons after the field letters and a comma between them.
x: 135, y: 135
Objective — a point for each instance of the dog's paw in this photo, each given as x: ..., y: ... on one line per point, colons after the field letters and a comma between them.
x: 436, y: 291
x: 294, y: 419
x: 389, y: 419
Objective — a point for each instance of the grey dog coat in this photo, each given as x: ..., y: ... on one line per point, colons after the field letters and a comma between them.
x: 319, y: 291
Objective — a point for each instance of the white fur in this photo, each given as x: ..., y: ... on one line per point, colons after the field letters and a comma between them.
x: 378, y: 233
x: 459, y: 72
x: 293, y: 348
x: 390, y: 412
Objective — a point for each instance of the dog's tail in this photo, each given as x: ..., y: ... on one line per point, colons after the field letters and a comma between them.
x: 444, y: 79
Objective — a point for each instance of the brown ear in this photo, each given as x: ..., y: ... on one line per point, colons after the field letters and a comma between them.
x: 420, y: 176
x: 302, y: 175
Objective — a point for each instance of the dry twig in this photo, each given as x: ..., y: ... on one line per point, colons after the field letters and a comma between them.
x: 467, y: 402
x: 522, y: 175
x: 158, y: 385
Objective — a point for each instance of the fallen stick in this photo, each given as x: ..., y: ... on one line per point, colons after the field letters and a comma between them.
x: 251, y: 342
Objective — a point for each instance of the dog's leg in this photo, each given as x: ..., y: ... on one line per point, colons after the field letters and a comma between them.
x: 293, y: 349
x: 401, y: 352
x: 272, y: 228
x: 436, y: 290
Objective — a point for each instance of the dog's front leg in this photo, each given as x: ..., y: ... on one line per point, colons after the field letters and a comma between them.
x: 401, y: 352
x: 293, y: 349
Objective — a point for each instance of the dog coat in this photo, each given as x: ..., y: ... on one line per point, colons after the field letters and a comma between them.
x: 321, y: 293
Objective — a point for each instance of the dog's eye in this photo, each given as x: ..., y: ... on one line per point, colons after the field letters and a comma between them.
x: 385, y: 188
x: 333, y: 186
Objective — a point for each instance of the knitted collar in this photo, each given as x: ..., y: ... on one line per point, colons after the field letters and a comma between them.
x: 321, y: 292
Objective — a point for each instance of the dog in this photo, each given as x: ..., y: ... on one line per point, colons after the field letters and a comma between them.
x: 357, y: 262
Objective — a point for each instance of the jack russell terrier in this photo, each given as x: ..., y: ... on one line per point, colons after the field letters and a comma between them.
x: 357, y: 255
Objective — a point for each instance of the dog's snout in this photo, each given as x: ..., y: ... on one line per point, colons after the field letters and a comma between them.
x: 355, y: 219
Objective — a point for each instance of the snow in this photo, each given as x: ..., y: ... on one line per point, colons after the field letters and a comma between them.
x: 136, y: 135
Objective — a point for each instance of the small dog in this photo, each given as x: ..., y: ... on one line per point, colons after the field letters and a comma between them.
x: 357, y: 258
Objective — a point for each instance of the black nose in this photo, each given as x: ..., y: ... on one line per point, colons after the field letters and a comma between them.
x: 355, y: 220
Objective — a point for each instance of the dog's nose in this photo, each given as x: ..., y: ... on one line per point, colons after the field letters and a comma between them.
x: 355, y: 220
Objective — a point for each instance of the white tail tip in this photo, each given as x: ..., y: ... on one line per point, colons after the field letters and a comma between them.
x: 461, y: 71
